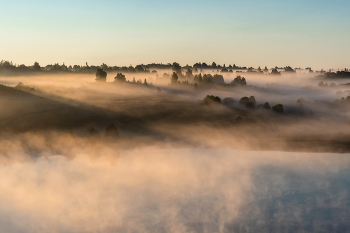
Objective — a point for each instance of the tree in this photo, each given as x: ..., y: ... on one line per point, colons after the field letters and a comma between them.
x: 36, y: 66
x: 218, y: 79
x: 266, y: 70
x: 275, y: 71
x: 145, y: 82
x: 198, y: 78
x: 120, y: 77
x: 252, y: 99
x: 239, y: 81
x: 101, y: 75
x: 288, y: 69
x: 243, y: 100
x: 210, y: 99
x: 111, y: 132
x: 213, y: 65
x: 94, y: 133
x: 189, y: 73
x: 266, y: 105
x: 174, y: 78
x: 195, y: 86
x: 300, y: 101
x: 278, y: 108
x: 250, y: 105
x: 321, y: 84
x: 177, y: 68
x: 228, y: 101
x: 208, y: 78
x: 139, y: 68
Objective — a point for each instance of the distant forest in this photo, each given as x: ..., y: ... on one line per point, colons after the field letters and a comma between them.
x: 9, y: 68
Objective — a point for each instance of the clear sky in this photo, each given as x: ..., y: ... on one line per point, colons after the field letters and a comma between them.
x: 298, y: 33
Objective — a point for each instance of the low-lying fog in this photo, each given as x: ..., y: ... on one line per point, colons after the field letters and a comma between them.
x: 153, y: 189
x: 175, y: 164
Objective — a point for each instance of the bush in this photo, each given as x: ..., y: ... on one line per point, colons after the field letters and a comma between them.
x: 120, y: 77
x: 267, y: 105
x: 111, y: 132
x: 278, y: 108
x: 244, y: 100
x: 93, y: 133
x: 210, y: 99
x: 250, y: 105
x: 252, y: 99
x: 228, y: 101
x: 101, y: 75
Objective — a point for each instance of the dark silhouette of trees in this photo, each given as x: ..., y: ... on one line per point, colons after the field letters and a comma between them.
x: 198, y: 78
x: 321, y: 84
x: 177, y: 68
x: 145, y: 82
x: 266, y: 105
x: 275, y: 71
x: 174, y: 78
x: 21, y: 86
x: 210, y: 99
x: 197, y: 65
x: 131, y: 69
x: 189, y: 73
x: 252, y: 100
x: 288, y: 69
x: 139, y: 68
x: 213, y: 65
x: 239, y: 81
x: 338, y: 75
x: 94, y: 133
x: 250, y: 105
x: 111, y: 132
x: 36, y: 67
x: 205, y: 65
x: 207, y: 78
x: 310, y: 70
x: 120, y: 77
x: 101, y: 75
x: 218, y: 79
x: 300, y: 101
x: 278, y: 108
x: 228, y: 101
x: 247, y: 102
x: 243, y: 100
x: 266, y: 70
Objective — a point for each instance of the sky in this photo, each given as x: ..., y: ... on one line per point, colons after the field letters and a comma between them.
x: 308, y: 33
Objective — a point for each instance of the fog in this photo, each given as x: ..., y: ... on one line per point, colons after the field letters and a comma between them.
x: 176, y: 163
x: 177, y: 190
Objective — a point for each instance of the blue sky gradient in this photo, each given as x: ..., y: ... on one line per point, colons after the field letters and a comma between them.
x: 248, y: 33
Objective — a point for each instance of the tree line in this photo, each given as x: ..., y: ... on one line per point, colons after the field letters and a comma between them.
x: 10, y: 67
